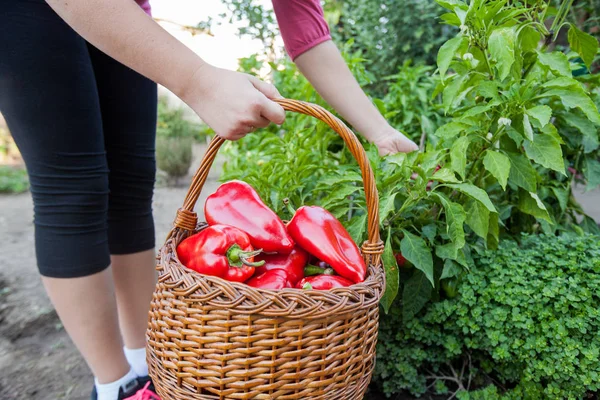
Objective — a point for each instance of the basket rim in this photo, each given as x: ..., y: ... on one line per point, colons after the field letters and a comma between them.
x: 184, y: 282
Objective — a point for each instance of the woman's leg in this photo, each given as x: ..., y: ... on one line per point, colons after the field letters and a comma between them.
x: 128, y: 104
x: 49, y: 99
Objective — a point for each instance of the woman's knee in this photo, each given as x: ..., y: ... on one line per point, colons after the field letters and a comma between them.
x: 70, y: 216
x: 130, y: 219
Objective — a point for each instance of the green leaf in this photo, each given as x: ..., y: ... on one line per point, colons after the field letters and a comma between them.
x: 417, y: 292
x: 396, y: 159
x: 502, y: 48
x: 357, y: 228
x: 450, y: 4
x: 474, y: 192
x: 530, y: 203
x: 450, y: 130
x: 527, y: 130
x: 541, y: 114
x: 444, y: 175
x: 455, y: 219
x: 450, y: 19
x: 563, y: 82
x: 488, y: 89
x: 583, y: 44
x: 339, y: 193
x: 498, y: 165
x: 478, y: 218
x: 451, y: 269
x: 386, y: 206
x: 592, y: 172
x: 545, y: 150
x: 590, y: 226
x: 429, y: 231
x: 447, y: 53
x: 392, y: 277
x: 458, y: 155
x: 575, y: 98
x: 449, y: 95
x: 529, y: 38
x: 514, y: 135
x: 557, y: 62
x: 522, y: 172
x: 476, y: 110
x: 587, y: 129
x: 445, y: 251
x: 415, y: 250
x: 551, y: 130
x: 562, y: 195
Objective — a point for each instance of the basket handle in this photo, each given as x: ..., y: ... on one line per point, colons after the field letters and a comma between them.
x: 373, y: 247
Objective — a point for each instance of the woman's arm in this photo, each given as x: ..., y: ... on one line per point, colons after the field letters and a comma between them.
x: 231, y: 103
x: 325, y: 68
x: 308, y: 42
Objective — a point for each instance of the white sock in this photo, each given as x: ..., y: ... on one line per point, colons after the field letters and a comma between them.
x: 110, y: 391
x: 137, y: 360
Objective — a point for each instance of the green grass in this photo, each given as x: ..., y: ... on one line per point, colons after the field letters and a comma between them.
x: 13, y: 180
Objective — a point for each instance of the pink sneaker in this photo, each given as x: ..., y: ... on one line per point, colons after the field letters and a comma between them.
x: 137, y: 389
x: 144, y: 393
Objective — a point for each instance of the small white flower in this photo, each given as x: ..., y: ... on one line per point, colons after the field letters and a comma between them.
x: 504, y: 121
x: 467, y: 56
x: 489, y: 135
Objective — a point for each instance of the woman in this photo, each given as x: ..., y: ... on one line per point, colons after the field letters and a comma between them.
x: 77, y: 89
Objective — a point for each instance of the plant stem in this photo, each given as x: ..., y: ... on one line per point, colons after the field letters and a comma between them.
x: 487, y: 62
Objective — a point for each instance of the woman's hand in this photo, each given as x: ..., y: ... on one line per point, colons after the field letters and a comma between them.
x: 231, y: 103
x: 390, y: 141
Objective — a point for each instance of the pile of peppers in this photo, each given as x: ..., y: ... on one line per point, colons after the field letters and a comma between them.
x: 246, y: 241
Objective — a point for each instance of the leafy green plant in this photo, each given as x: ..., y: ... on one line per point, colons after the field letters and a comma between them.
x: 409, y: 104
x: 13, y: 180
x: 174, y: 156
x: 171, y: 123
x: 389, y: 32
x: 497, y: 167
x: 526, y: 322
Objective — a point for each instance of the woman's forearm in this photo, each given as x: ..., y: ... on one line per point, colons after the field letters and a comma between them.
x: 121, y: 29
x: 231, y: 103
x: 325, y: 68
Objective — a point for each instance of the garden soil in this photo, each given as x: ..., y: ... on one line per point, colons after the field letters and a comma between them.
x: 37, y: 359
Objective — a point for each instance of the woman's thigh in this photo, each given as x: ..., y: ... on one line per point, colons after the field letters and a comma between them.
x: 128, y: 104
x: 49, y: 98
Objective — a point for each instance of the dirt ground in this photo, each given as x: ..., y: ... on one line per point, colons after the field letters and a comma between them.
x: 37, y: 359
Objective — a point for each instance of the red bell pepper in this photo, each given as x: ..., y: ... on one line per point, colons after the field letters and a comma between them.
x: 317, y: 231
x: 400, y: 260
x: 274, y: 279
x: 219, y: 250
x: 236, y: 203
x: 292, y: 263
x: 323, y: 282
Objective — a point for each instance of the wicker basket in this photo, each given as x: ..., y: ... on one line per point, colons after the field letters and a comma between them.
x: 213, y: 339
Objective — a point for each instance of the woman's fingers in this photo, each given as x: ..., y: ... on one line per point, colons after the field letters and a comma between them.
x: 265, y: 88
x: 273, y: 112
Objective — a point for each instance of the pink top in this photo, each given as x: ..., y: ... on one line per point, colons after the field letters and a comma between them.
x: 145, y: 4
x: 301, y: 23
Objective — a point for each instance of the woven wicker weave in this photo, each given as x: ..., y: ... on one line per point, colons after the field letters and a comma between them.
x: 213, y: 339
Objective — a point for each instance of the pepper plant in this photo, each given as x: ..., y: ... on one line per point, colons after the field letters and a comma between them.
x: 519, y: 130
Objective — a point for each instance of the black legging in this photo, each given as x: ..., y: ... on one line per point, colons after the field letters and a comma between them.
x: 85, y: 125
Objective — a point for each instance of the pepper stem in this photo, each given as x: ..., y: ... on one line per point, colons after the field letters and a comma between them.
x: 239, y: 258
x: 310, y: 270
x: 289, y: 206
x: 307, y: 286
